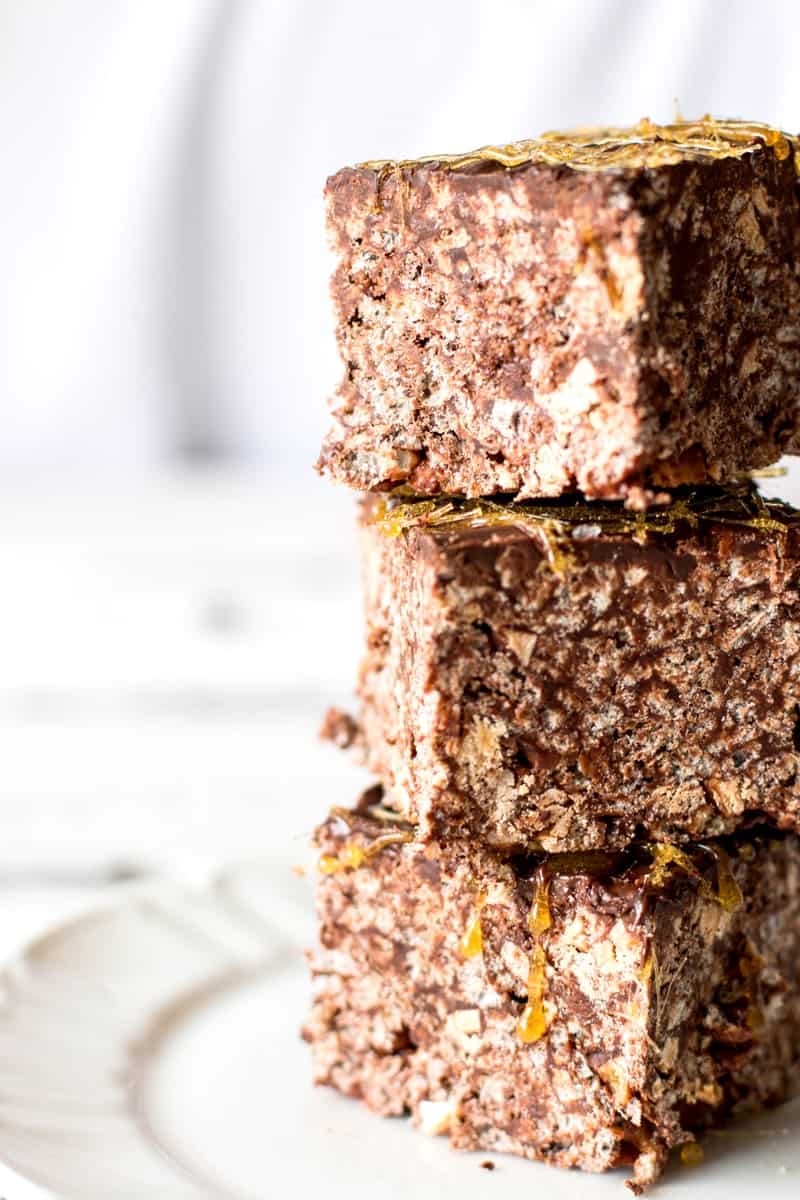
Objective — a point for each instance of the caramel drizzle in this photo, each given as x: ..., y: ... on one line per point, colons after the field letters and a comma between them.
x: 643, y: 145
x: 560, y: 523
x: 728, y: 894
x: 534, y: 1020
x: 471, y: 942
x: 666, y: 857
x: 353, y: 854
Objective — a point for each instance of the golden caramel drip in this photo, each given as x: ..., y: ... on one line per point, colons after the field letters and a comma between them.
x: 540, y: 917
x: 644, y: 145
x: 532, y: 1024
x: 349, y: 858
x: 692, y: 1154
x: 352, y: 856
x: 729, y: 894
x: 471, y: 943
x: 664, y: 858
x: 556, y: 522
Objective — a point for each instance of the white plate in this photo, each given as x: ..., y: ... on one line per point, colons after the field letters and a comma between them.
x: 152, y: 1050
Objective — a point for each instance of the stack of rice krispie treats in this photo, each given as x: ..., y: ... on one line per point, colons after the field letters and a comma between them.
x: 566, y: 921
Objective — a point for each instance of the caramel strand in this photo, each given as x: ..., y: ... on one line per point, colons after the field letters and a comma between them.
x: 729, y: 894
x: 561, y: 523
x: 665, y: 857
x: 352, y: 856
x: 533, y: 1021
x: 471, y: 943
x: 642, y: 146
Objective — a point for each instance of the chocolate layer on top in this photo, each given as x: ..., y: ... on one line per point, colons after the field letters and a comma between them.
x: 576, y: 677
x: 587, y: 1010
x: 615, y: 311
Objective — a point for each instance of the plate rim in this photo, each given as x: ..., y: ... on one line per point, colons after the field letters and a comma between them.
x: 209, y: 881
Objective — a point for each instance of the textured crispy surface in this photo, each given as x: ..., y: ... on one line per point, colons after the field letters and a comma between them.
x: 666, y: 1011
x: 646, y: 691
x: 538, y: 329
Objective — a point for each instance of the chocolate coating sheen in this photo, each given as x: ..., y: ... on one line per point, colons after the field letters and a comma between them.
x: 612, y: 312
x: 541, y: 685
x: 585, y: 1012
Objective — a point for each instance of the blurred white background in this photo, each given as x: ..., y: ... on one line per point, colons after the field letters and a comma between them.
x: 179, y: 591
x: 164, y: 267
